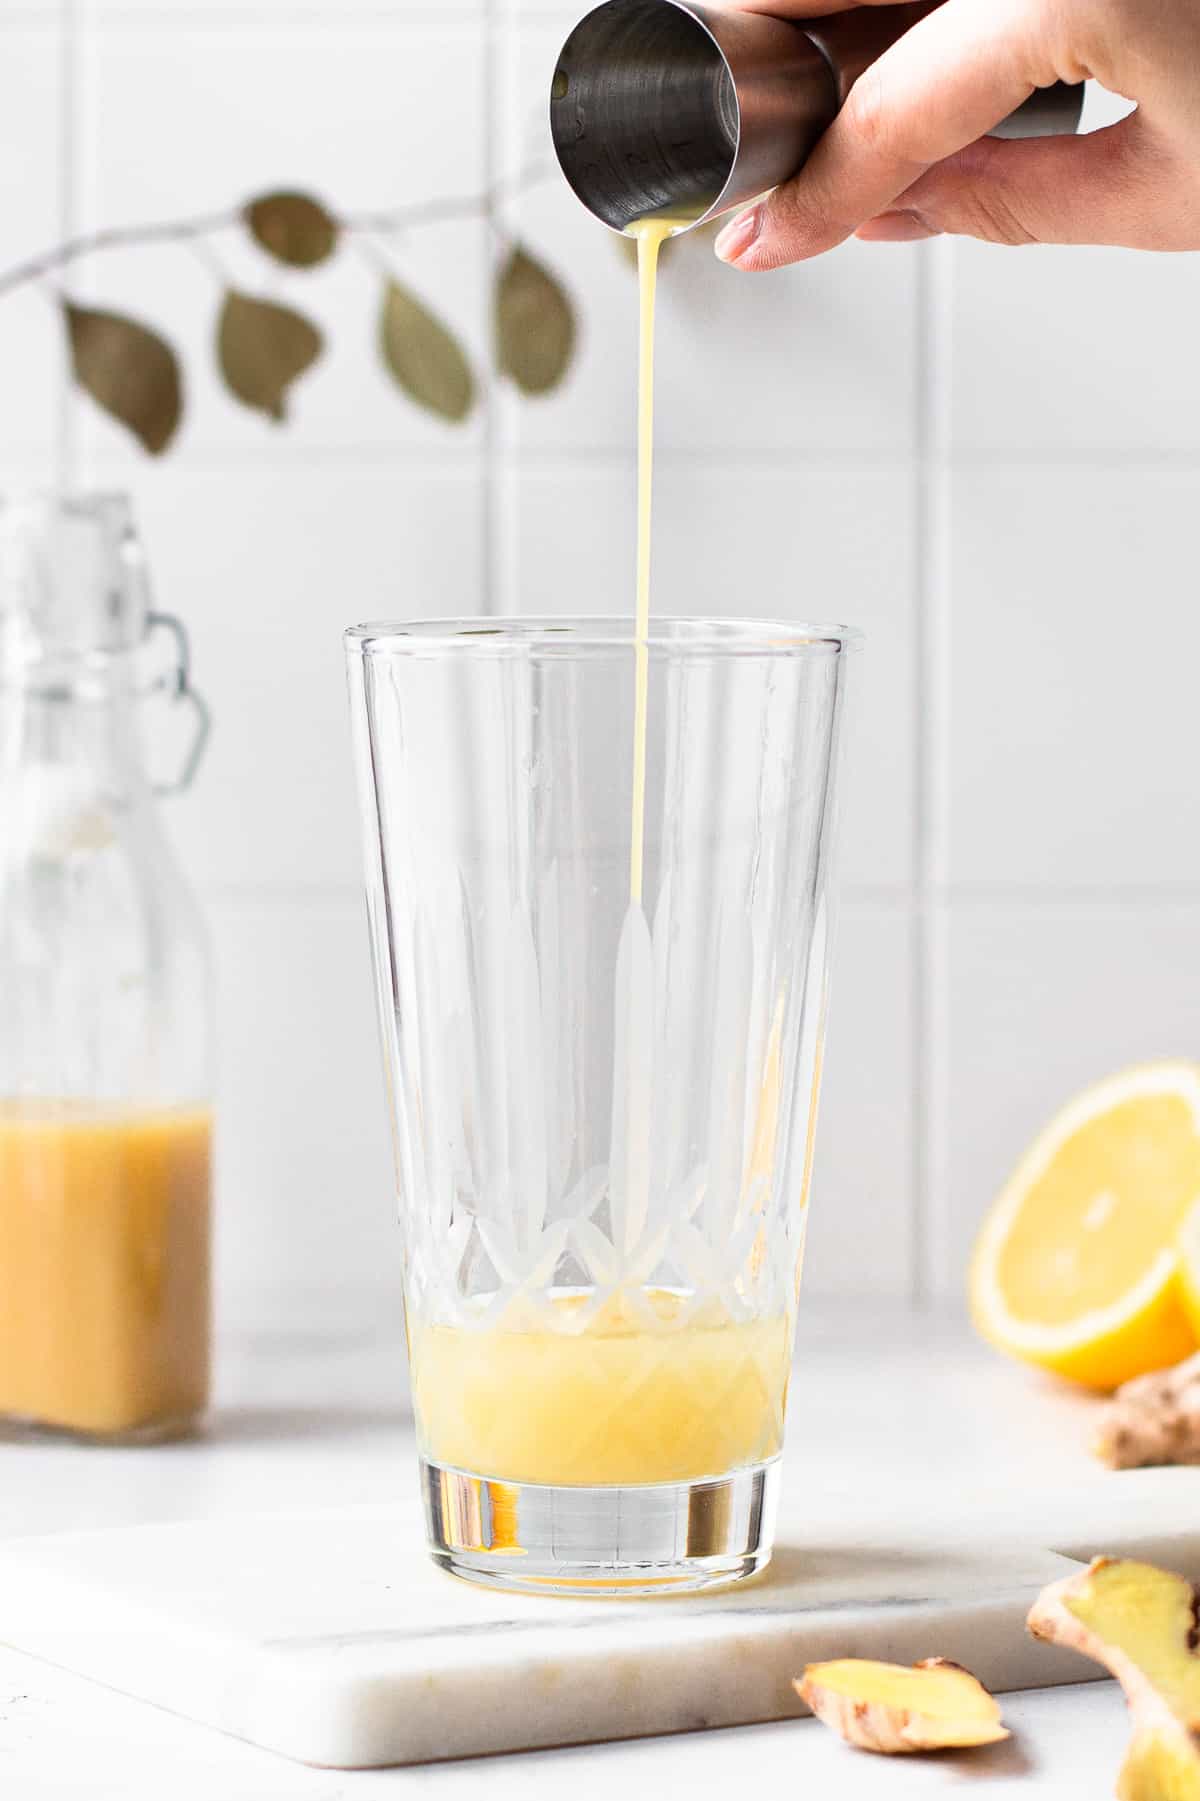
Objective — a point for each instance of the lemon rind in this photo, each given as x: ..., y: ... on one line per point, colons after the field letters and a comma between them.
x: 992, y: 1310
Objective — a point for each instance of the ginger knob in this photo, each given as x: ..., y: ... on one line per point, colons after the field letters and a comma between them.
x: 1153, y: 1419
x: 1140, y: 1623
x: 889, y: 1707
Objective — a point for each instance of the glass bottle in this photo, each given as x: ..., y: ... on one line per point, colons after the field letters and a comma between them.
x: 105, y: 996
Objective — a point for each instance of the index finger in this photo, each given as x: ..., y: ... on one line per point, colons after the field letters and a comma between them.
x: 948, y: 81
x: 798, y: 9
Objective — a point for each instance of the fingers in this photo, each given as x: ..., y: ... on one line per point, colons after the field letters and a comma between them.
x: 1111, y: 187
x: 800, y: 9
x: 903, y: 226
x: 946, y: 82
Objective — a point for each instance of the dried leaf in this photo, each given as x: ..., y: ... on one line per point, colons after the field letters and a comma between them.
x: 535, y: 324
x: 262, y: 347
x: 128, y: 370
x: 429, y: 364
x: 293, y: 228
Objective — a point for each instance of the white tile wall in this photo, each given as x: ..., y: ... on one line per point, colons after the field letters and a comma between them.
x: 268, y: 563
x: 1045, y: 997
x: 1074, y: 639
x: 762, y: 542
x: 989, y: 459
x: 860, y: 1237
x: 304, y: 1175
x: 32, y: 210
x: 1076, y: 350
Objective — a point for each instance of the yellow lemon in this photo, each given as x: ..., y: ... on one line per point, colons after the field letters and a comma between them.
x: 1076, y: 1268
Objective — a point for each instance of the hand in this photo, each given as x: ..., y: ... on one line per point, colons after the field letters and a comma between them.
x: 907, y: 156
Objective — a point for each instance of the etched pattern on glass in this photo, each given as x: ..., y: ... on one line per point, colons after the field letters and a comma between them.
x: 603, y: 1115
x: 504, y: 1219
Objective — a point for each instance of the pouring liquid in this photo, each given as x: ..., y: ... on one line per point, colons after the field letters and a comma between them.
x: 654, y: 1386
x: 650, y: 233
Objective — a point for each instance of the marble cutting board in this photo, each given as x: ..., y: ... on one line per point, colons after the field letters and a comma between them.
x: 329, y: 1637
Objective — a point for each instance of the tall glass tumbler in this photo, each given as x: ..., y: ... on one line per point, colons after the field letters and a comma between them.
x: 602, y: 1106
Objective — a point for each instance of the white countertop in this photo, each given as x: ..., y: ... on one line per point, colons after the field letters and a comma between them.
x: 309, y: 1416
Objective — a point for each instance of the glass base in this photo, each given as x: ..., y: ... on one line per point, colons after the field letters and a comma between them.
x: 661, y: 1538
x: 151, y: 1432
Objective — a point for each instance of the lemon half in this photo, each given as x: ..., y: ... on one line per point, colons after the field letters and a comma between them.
x: 1076, y: 1267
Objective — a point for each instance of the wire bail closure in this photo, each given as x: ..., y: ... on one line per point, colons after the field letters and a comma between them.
x: 176, y: 683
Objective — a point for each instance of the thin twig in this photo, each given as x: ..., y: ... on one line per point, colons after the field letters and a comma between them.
x: 205, y: 254
x: 429, y: 212
x: 183, y: 231
x: 116, y: 237
x: 371, y: 254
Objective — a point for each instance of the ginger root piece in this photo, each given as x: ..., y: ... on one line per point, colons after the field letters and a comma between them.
x: 889, y: 1707
x: 1140, y: 1622
x: 1154, y: 1419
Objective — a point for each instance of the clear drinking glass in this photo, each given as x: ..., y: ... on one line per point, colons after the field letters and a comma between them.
x: 602, y: 1109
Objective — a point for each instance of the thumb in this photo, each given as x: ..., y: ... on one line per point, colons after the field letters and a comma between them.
x: 1111, y: 187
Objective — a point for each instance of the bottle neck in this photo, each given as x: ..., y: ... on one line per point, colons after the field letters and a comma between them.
x: 81, y: 720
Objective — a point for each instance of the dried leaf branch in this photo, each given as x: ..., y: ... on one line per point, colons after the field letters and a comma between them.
x: 263, y: 346
x: 166, y: 231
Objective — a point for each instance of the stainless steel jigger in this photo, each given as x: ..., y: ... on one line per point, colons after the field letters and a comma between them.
x: 663, y: 106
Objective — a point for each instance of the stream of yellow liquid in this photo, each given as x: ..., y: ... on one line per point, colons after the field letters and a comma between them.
x: 651, y: 233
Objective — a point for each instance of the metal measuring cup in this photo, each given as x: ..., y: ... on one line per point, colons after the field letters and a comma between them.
x: 663, y: 106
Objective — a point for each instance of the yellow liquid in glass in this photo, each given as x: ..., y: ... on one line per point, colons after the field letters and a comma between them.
x: 104, y: 1266
x: 634, y: 1397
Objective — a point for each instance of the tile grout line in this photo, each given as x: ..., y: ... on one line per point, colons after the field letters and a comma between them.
x: 1036, y: 897
x: 917, y: 986
x: 932, y: 535
x: 65, y: 449
x: 898, y: 899
x: 135, y: 19
x: 943, y: 258
x: 579, y: 462
x: 489, y: 478
x: 505, y: 531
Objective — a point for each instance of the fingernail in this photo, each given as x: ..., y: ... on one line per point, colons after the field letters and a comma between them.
x: 900, y: 227
x: 739, y: 234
